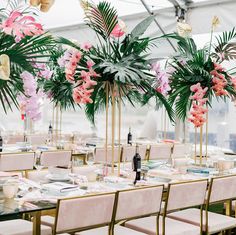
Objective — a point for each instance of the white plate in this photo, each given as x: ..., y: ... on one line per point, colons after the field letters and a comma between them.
x: 58, y: 177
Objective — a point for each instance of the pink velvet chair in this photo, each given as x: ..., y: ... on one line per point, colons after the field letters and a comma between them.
x: 160, y: 151
x: 133, y: 203
x: 82, y: 213
x: 100, y: 155
x: 56, y: 158
x: 178, y: 197
x: 16, y: 161
x: 220, y: 190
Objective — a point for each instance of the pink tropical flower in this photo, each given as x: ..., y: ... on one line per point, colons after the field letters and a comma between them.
x: 44, y: 71
x: 30, y: 102
x: 86, y: 46
x: 198, y: 111
x: 90, y: 64
x: 218, y: 80
x: 233, y: 80
x: 162, y: 80
x: 119, y: 30
x: 20, y: 26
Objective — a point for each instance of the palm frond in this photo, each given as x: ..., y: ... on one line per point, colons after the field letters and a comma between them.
x: 102, y: 18
x: 224, y: 45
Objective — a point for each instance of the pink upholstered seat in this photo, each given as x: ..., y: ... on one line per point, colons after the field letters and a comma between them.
x: 221, y: 189
x: 177, y: 198
x: 118, y: 230
x: 21, y: 227
x: 100, y: 155
x: 173, y: 227
x: 56, y: 158
x: 16, y: 161
x: 147, y: 202
x: 160, y: 151
x: 216, y: 222
x: 79, y: 213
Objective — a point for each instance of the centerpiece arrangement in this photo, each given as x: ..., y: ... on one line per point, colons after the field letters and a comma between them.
x: 111, y: 73
x: 199, y: 75
x: 24, y: 50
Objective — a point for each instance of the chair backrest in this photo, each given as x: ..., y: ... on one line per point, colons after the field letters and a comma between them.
x: 186, y: 194
x: 84, y: 212
x: 139, y: 202
x: 160, y: 151
x: 128, y: 152
x: 222, y: 188
x: 15, y: 138
x: 36, y: 176
x: 16, y: 161
x: 37, y: 139
x: 179, y: 151
x: 100, y: 155
x: 56, y: 158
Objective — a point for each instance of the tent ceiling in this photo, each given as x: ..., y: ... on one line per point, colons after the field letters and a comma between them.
x: 65, y: 14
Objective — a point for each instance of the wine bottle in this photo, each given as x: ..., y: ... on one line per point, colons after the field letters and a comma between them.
x: 1, y: 142
x: 137, y: 164
x: 50, y: 128
x: 50, y: 132
x: 129, y: 138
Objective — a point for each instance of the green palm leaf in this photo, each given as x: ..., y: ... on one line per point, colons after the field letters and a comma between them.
x: 102, y: 18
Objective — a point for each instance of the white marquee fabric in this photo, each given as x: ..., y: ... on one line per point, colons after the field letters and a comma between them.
x: 199, y: 16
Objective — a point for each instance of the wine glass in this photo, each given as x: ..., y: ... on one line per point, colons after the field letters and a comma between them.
x: 90, y: 158
x: 37, y: 164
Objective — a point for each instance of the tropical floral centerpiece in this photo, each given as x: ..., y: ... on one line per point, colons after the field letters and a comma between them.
x: 115, y: 71
x: 118, y: 66
x: 24, y: 50
x: 199, y: 75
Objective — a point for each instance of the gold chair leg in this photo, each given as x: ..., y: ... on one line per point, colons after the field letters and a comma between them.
x: 36, y: 223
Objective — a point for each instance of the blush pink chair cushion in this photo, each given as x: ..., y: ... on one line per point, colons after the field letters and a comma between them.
x: 16, y: 161
x: 160, y: 151
x: 216, y: 222
x: 172, y: 227
x: 118, y: 230
x: 179, y: 196
x: 85, y: 211
x: 144, y: 201
x: 56, y: 158
x: 21, y: 227
x: 223, y: 188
